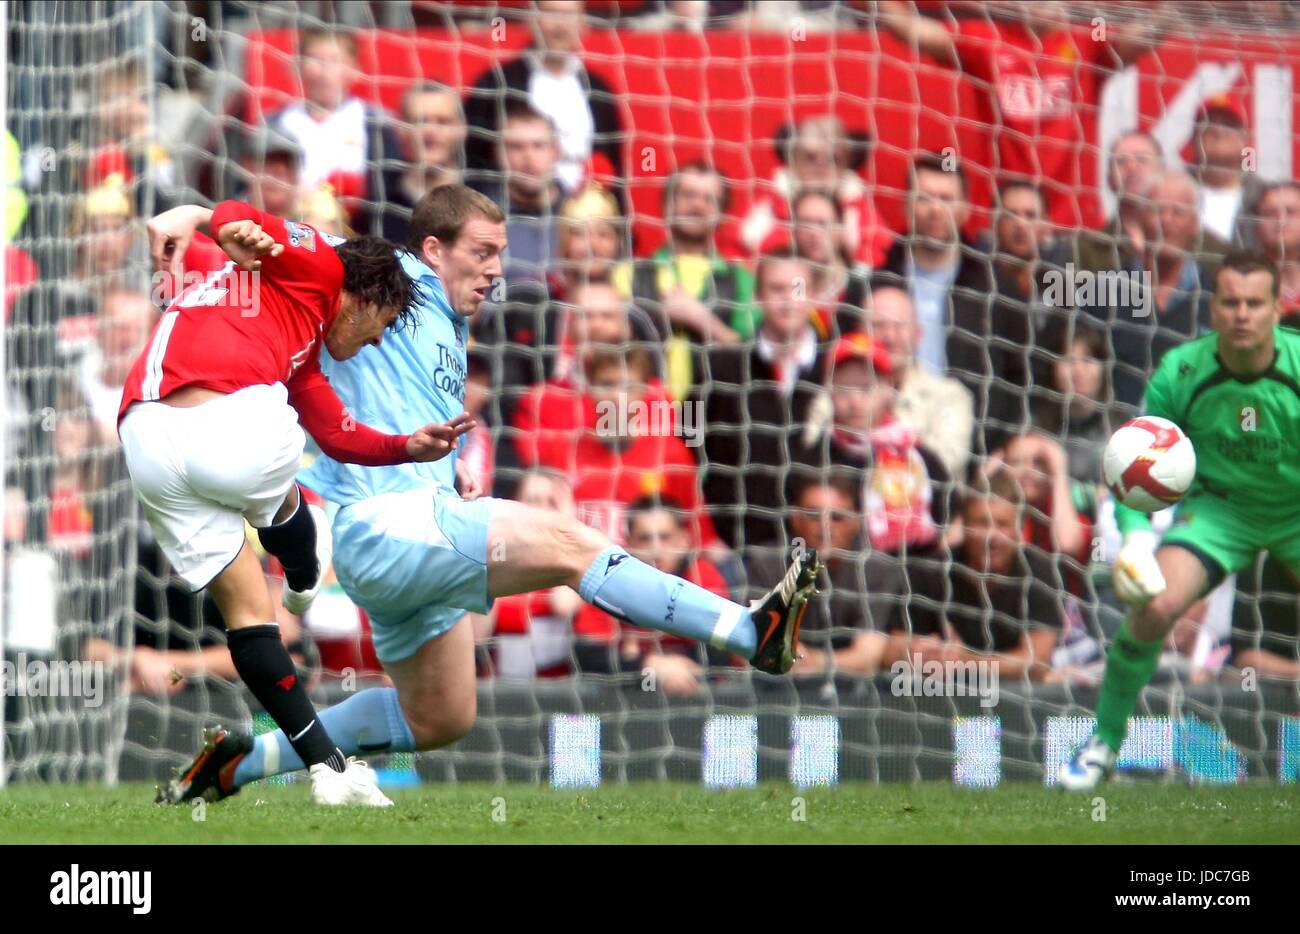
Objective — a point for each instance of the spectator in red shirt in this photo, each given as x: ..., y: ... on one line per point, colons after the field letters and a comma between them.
x: 1037, y: 75
x: 618, y: 437
x: 658, y: 534
x: 818, y: 155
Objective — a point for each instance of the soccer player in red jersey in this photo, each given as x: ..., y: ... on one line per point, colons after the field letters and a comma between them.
x: 210, y: 431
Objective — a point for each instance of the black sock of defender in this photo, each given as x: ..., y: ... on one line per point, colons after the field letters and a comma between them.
x: 293, y: 542
x: 264, y: 663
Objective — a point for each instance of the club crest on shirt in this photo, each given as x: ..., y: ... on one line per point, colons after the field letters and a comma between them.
x: 301, y: 235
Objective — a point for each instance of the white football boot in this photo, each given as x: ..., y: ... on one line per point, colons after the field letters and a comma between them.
x: 296, y: 602
x: 354, y: 786
x: 1091, y: 764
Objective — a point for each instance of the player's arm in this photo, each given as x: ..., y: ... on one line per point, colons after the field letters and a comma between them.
x: 172, y: 232
x: 346, y: 440
x: 299, y: 254
x: 913, y: 29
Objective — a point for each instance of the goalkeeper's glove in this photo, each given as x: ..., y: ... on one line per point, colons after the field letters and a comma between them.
x: 1136, y: 573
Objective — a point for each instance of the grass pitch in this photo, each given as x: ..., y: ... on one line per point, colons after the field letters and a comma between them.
x: 664, y: 813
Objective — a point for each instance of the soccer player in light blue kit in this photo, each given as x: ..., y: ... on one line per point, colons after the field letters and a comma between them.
x: 416, y: 555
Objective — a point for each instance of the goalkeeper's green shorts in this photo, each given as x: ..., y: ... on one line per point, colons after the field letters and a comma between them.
x: 1227, y: 538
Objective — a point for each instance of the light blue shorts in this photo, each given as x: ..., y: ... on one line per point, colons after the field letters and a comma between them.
x: 415, y: 561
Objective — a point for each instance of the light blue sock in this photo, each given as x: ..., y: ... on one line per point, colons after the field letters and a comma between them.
x: 634, y: 591
x: 369, y: 721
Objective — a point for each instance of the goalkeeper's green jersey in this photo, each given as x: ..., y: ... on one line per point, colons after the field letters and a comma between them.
x: 1246, y: 432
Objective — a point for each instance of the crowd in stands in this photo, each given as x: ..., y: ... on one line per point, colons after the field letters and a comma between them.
x: 919, y: 404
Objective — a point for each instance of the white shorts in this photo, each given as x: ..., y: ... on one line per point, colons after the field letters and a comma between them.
x: 200, y: 472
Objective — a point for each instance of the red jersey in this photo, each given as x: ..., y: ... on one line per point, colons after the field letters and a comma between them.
x: 1038, y: 95
x: 236, y: 329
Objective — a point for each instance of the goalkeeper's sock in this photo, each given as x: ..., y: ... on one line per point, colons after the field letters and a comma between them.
x: 634, y: 591
x: 1129, y: 666
x: 369, y: 721
x: 293, y: 542
x: 264, y: 663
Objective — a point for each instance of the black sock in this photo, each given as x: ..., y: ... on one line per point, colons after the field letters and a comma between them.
x: 264, y: 663
x: 293, y: 542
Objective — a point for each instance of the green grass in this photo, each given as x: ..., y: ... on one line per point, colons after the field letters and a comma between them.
x: 673, y: 813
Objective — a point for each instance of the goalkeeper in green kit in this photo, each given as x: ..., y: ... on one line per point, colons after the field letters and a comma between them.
x: 1236, y: 394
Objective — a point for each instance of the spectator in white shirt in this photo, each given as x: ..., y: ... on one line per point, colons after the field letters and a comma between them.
x: 344, y: 140
x: 551, y: 77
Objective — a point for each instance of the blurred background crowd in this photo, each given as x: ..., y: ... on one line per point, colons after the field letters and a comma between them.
x: 882, y: 371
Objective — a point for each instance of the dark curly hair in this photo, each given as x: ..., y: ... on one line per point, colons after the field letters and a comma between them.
x: 372, y: 270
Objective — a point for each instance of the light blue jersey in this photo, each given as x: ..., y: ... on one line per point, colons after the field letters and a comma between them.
x: 414, y: 377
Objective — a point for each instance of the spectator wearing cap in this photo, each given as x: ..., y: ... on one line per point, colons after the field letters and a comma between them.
x: 550, y: 77
x: 940, y: 408
x: 1218, y: 149
x: 852, y: 432
x: 818, y: 155
x: 1276, y: 231
x: 756, y: 399
x: 696, y: 297
x: 846, y: 629
x: 344, y: 140
x: 432, y: 136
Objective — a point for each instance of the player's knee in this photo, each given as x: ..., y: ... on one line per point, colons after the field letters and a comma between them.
x: 1157, y: 618
x: 443, y: 725
x: 577, y: 544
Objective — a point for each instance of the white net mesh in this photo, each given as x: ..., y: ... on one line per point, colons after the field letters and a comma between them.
x: 119, y: 109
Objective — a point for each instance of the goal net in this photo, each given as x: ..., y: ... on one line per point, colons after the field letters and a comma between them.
x: 963, y: 165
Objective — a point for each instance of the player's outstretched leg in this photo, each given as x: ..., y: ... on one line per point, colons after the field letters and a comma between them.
x: 1130, y: 663
x: 302, y: 542
x: 532, y: 549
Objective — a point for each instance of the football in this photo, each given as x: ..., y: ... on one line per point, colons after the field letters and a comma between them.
x: 1149, y: 463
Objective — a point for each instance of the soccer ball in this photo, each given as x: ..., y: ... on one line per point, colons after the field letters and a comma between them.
x: 1148, y: 463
